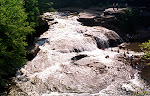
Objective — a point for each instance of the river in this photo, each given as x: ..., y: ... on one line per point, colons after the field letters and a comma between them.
x: 76, y: 60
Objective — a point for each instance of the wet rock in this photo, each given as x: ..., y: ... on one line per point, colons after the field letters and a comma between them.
x: 41, y: 41
x: 47, y: 16
x: 100, y: 18
x: 87, y: 17
x: 145, y: 73
x: 95, y: 65
x: 110, y: 11
x: 87, y: 61
x: 78, y: 57
x: 113, y: 38
x: 32, y: 51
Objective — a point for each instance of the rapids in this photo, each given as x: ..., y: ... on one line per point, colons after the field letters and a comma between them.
x: 71, y: 63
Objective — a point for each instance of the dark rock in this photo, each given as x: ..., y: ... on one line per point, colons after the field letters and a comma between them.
x: 32, y: 51
x: 145, y: 73
x: 43, y: 27
x: 113, y: 38
x: 49, y: 18
x: 100, y: 18
x: 78, y: 57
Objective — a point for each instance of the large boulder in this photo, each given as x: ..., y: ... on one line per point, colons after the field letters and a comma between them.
x: 113, y: 38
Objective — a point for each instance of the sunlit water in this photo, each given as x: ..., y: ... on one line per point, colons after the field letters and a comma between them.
x: 53, y: 72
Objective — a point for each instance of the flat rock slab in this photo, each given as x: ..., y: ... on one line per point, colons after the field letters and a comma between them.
x: 111, y: 11
x: 90, y: 63
x: 89, y: 14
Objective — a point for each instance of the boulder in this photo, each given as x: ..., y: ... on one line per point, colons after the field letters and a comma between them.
x: 95, y: 65
x: 87, y: 61
x: 32, y: 51
x: 113, y: 38
x: 78, y: 57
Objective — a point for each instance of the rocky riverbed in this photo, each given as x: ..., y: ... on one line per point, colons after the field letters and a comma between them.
x: 77, y: 60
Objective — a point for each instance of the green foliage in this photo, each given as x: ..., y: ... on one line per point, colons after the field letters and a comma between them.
x: 145, y: 47
x: 13, y: 31
x: 52, y: 9
x: 45, y: 5
x: 32, y: 10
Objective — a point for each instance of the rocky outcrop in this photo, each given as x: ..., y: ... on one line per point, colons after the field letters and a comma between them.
x: 111, y: 38
x: 103, y: 18
x: 87, y: 17
x: 111, y: 11
x: 94, y: 17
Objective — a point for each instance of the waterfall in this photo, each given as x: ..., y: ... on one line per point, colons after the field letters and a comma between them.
x: 54, y: 72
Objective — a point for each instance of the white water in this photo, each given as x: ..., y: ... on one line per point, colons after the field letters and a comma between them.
x: 53, y: 73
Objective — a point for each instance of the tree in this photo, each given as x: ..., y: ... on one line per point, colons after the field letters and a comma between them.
x: 45, y: 5
x: 13, y: 31
x: 31, y: 7
x: 145, y: 47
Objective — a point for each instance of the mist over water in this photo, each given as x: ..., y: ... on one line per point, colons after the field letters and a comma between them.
x: 55, y: 72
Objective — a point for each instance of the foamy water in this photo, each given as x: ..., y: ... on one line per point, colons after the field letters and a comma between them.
x: 53, y: 72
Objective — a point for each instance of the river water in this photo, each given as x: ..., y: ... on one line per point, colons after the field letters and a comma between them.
x: 71, y: 63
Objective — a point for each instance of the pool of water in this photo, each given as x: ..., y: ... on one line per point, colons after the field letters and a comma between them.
x: 134, y: 46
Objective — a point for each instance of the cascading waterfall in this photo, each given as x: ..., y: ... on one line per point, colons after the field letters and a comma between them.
x: 53, y: 72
